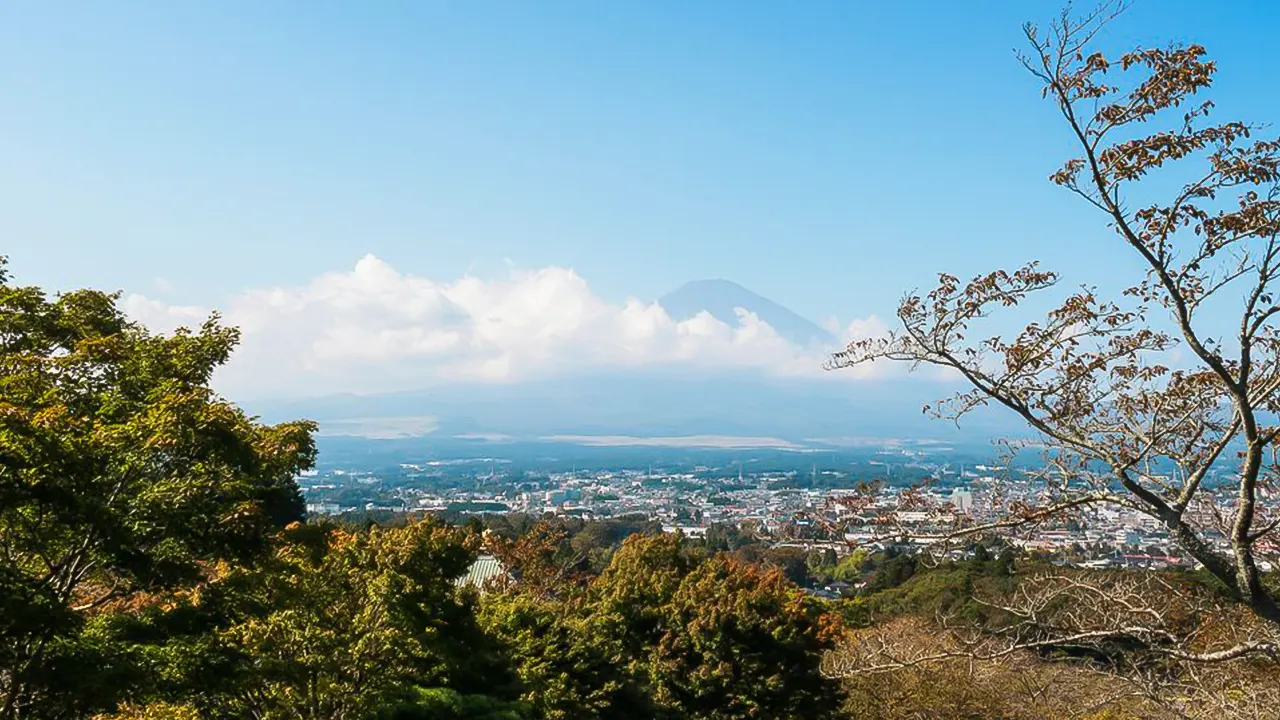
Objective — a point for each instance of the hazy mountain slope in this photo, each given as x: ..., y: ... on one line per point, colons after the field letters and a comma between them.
x: 721, y: 298
x: 653, y: 404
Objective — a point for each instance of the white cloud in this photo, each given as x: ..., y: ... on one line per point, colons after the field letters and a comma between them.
x: 373, y: 328
x: 162, y: 316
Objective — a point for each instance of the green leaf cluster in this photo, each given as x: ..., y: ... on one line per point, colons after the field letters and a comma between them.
x: 123, y: 476
x: 661, y: 633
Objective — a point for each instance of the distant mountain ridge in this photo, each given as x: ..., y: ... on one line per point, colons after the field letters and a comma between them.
x: 721, y: 299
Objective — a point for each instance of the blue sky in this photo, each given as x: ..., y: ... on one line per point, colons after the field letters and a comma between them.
x: 826, y: 155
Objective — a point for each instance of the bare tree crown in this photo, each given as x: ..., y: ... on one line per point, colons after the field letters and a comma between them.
x: 1122, y: 423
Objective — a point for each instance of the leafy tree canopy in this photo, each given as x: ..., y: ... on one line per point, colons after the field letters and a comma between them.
x: 121, y: 471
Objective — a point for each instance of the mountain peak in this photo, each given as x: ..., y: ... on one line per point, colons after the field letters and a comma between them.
x: 712, y: 284
x: 721, y: 298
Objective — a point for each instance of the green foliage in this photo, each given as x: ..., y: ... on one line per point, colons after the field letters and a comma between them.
x: 901, y: 585
x: 634, y: 592
x: 155, y: 711
x: 662, y: 634
x: 597, y: 540
x: 743, y: 642
x: 892, y: 572
x: 338, y: 623
x: 926, y: 592
x: 564, y: 656
x: 721, y: 537
x: 121, y: 472
x: 791, y: 561
x: 850, y: 567
x: 446, y: 704
x: 347, y: 620
x: 821, y: 562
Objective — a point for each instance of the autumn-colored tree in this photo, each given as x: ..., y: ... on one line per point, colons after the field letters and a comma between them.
x: 1018, y: 686
x: 121, y: 472
x: 1123, y: 422
x: 543, y: 559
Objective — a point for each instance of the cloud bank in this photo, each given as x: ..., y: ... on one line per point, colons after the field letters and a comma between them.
x: 375, y: 329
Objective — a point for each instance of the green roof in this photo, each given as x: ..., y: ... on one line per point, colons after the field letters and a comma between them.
x: 481, y: 571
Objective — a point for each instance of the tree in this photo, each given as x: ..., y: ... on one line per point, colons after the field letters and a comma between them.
x: 1084, y: 609
x: 1015, y: 687
x: 121, y: 472
x: 583, y: 652
x: 1123, y: 423
x: 346, y: 624
x: 564, y: 655
x: 446, y: 704
x: 792, y: 561
x: 742, y: 641
x: 634, y: 592
x: 351, y: 623
x: 154, y: 711
x: 659, y: 634
x: 849, y: 568
x: 543, y: 560
x: 724, y: 536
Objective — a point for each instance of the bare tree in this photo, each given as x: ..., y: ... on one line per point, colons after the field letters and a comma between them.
x: 1147, y: 638
x: 1190, y: 444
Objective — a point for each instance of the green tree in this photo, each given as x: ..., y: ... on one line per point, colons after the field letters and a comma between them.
x: 351, y: 622
x: 154, y: 711
x: 565, y: 656
x: 894, y: 571
x: 446, y: 704
x: 821, y: 563
x: 659, y: 634
x: 724, y: 537
x: 743, y: 642
x: 849, y: 568
x: 792, y: 561
x: 634, y: 592
x: 121, y: 472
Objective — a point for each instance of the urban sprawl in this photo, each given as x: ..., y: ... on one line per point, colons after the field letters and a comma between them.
x: 862, y: 505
